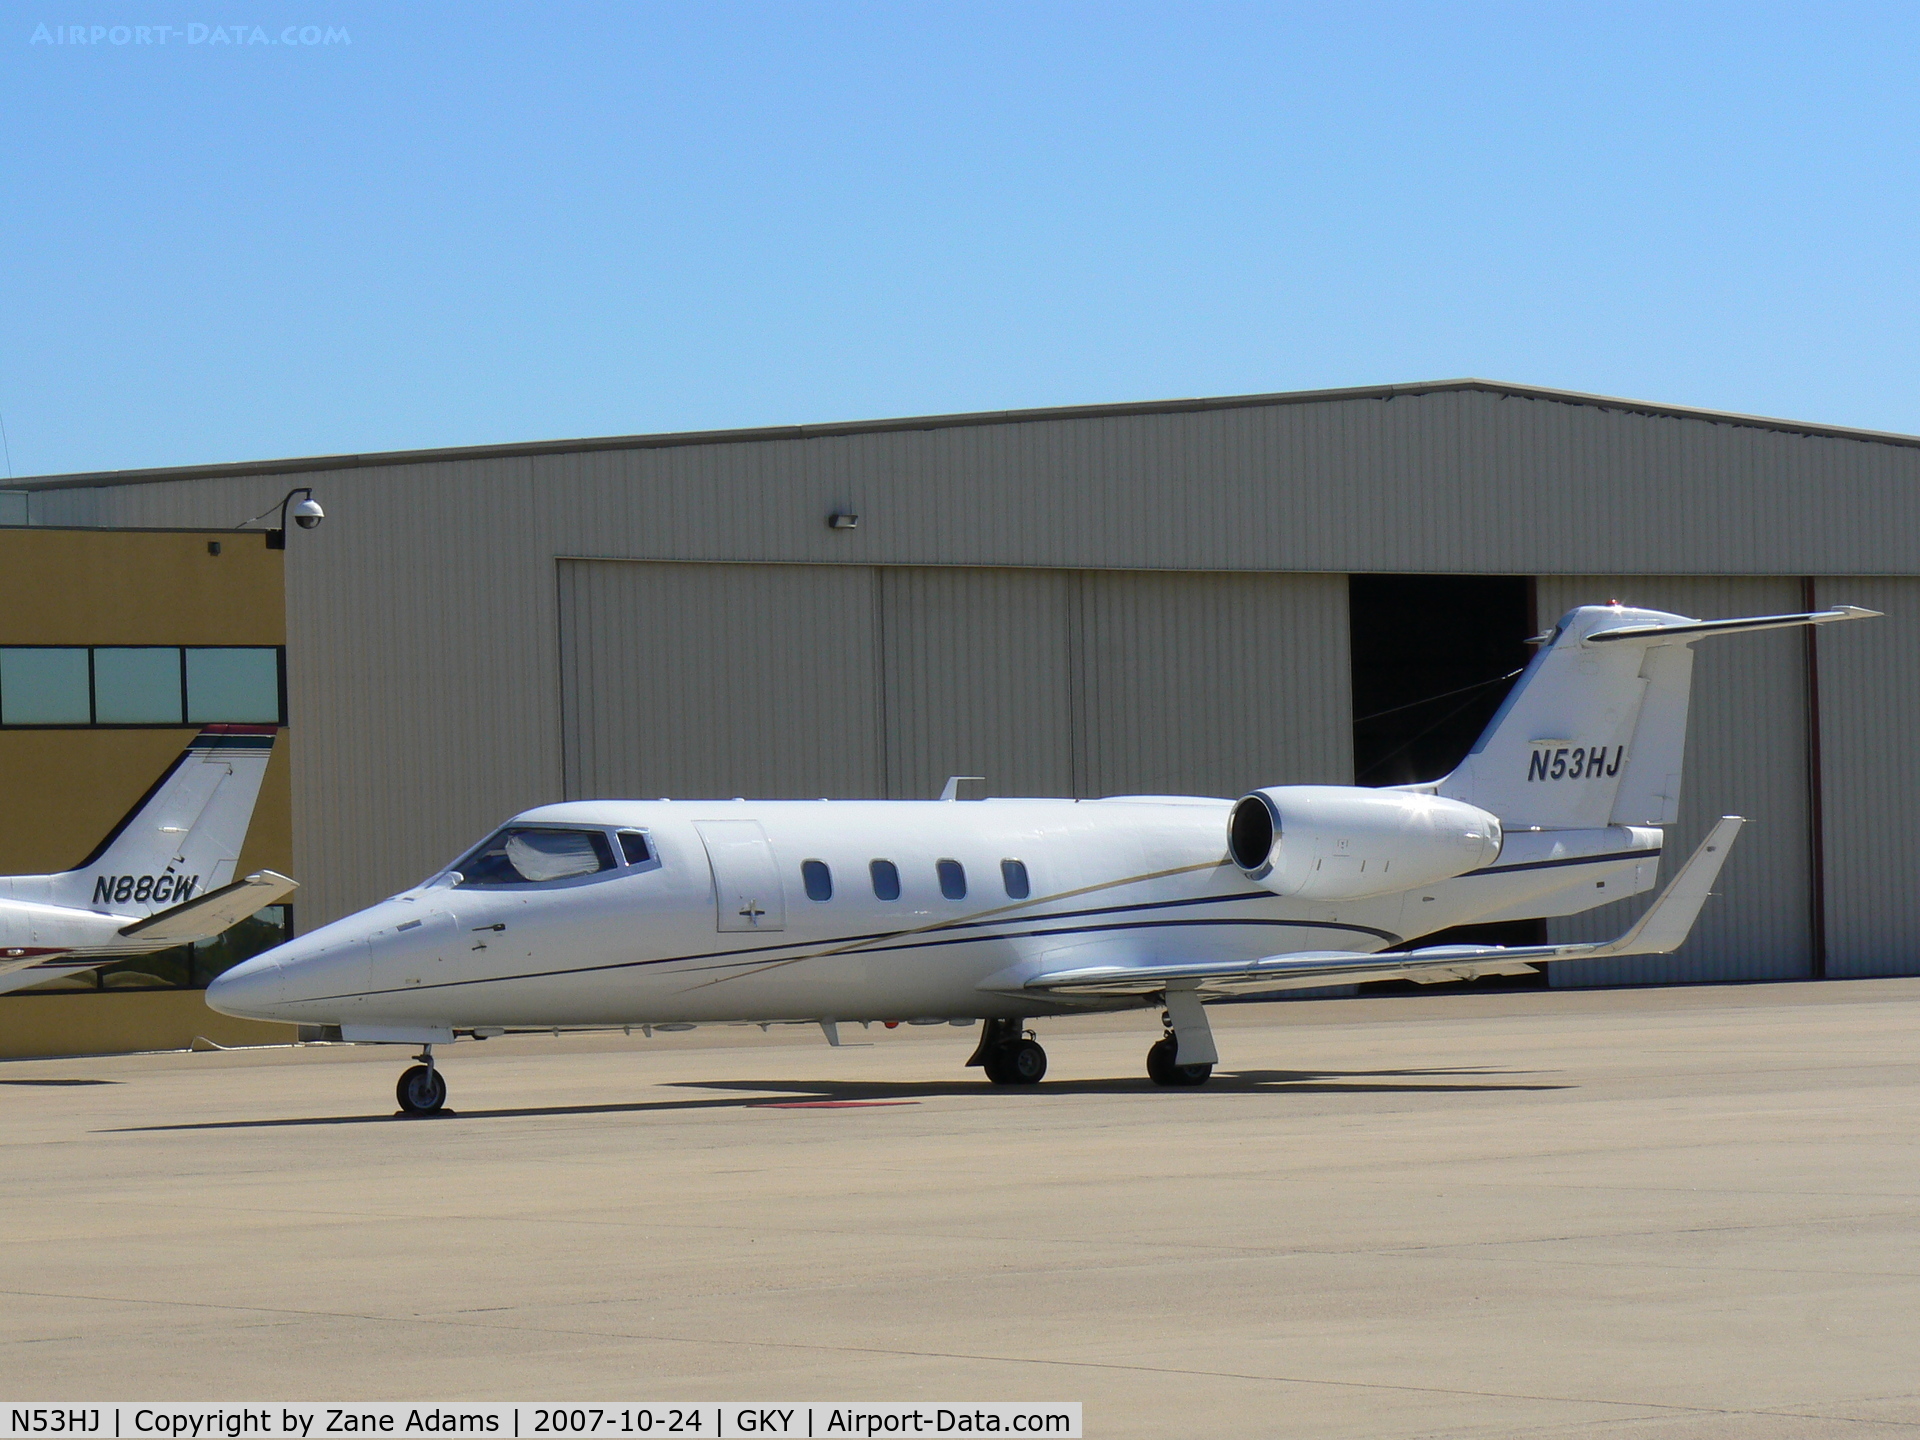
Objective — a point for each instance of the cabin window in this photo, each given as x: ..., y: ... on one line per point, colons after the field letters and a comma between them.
x: 953, y: 878
x: 634, y: 846
x: 818, y: 878
x: 535, y: 855
x: 1013, y: 875
x: 886, y: 880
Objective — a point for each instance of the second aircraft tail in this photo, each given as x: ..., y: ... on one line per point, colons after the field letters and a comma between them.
x: 183, y: 838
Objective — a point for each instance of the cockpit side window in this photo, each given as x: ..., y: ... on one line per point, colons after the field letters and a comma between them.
x: 634, y: 846
x: 536, y: 855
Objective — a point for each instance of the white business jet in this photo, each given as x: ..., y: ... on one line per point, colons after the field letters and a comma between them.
x: 671, y: 914
x: 162, y: 877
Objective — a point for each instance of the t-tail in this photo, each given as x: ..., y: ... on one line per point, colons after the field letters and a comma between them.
x: 1594, y: 731
x: 184, y: 836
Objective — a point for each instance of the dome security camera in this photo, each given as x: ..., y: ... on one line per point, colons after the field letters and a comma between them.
x: 308, y: 513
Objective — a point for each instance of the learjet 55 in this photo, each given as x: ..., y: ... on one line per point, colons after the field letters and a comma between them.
x: 671, y: 914
x: 162, y: 877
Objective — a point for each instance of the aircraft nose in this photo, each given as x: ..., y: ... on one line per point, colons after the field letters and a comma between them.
x: 250, y: 989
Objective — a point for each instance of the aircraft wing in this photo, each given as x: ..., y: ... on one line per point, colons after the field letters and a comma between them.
x: 1658, y: 932
x: 213, y: 913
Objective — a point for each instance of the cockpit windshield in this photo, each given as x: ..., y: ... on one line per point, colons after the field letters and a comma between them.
x: 534, y: 855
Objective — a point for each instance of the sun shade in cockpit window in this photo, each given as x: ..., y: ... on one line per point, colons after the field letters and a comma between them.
x: 818, y: 878
x: 886, y: 880
x: 530, y: 855
x: 953, y: 879
x: 634, y: 846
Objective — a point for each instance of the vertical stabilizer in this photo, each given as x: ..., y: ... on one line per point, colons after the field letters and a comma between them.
x: 185, y: 835
x: 1593, y: 733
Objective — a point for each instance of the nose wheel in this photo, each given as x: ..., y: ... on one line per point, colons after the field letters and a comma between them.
x: 422, y: 1090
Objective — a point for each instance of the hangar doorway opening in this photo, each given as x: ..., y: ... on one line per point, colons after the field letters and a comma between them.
x: 1433, y: 656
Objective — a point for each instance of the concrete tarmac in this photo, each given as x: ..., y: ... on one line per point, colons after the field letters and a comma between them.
x: 1649, y: 1213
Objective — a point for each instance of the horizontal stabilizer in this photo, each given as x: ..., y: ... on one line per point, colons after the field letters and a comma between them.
x: 1658, y: 932
x: 1695, y: 629
x: 213, y: 913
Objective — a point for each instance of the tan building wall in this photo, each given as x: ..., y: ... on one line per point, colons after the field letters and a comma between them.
x: 61, y: 790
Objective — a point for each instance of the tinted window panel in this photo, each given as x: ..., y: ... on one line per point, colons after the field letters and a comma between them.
x: 886, y: 880
x: 233, y: 685
x: 1013, y: 874
x: 528, y: 855
x: 633, y: 845
x: 953, y: 879
x: 136, y: 685
x: 43, y: 687
x: 819, y: 879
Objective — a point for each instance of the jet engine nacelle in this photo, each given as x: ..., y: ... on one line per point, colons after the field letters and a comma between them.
x: 1333, y: 842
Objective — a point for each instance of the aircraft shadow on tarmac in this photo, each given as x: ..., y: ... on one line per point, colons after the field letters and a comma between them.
x: 826, y: 1094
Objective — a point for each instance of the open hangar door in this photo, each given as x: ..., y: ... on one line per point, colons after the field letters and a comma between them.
x: 1746, y: 755
x: 801, y: 681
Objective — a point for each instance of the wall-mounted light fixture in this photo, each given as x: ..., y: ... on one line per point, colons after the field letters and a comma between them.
x: 306, y: 515
x: 841, y: 520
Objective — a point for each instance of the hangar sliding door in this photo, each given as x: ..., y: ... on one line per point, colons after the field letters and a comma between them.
x: 1746, y: 755
x: 1212, y: 684
x: 719, y: 680
x: 808, y: 680
x: 1869, y: 702
x: 978, y: 680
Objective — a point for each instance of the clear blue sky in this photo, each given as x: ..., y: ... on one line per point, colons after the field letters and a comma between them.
x: 478, y: 224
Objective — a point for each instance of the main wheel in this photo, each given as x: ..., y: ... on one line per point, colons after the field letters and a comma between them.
x: 1018, y: 1062
x: 421, y: 1091
x: 1162, y: 1070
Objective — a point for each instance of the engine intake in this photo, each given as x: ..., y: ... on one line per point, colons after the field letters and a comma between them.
x: 1331, y: 842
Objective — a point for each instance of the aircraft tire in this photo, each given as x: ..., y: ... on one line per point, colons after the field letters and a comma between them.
x: 1018, y: 1062
x: 421, y: 1091
x: 1162, y: 1071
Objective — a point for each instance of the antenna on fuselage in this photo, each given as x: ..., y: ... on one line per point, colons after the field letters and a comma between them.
x: 952, y: 789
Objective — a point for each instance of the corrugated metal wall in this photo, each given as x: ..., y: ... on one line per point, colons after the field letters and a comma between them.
x: 1746, y: 755
x: 1450, y: 482
x: 803, y: 680
x: 1869, y: 711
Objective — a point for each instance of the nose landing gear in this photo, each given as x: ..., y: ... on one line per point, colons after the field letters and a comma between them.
x: 422, y: 1090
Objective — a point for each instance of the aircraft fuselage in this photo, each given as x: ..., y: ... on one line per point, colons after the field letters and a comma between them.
x: 784, y: 910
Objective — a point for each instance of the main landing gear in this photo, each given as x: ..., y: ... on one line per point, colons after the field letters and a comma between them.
x: 1163, y: 1069
x: 422, y: 1090
x: 1009, y: 1055
x: 1188, y: 1038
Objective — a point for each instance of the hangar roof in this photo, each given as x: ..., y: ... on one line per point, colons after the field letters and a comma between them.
x: 311, y: 463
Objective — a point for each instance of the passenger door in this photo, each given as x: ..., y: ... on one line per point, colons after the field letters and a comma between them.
x: 746, y: 882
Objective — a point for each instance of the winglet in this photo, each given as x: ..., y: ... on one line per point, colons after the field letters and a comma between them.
x: 1669, y: 919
